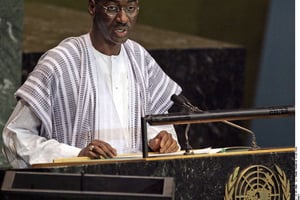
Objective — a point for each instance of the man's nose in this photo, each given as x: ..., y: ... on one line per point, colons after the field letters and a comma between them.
x: 122, y: 17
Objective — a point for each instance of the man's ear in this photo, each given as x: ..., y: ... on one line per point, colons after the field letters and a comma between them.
x: 91, y: 7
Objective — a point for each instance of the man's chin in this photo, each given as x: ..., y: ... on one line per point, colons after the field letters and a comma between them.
x: 120, y: 40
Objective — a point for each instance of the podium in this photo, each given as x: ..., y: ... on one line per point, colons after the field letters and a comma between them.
x: 240, y: 174
x: 230, y: 174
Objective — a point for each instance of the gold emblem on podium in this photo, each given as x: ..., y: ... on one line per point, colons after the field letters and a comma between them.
x: 257, y: 182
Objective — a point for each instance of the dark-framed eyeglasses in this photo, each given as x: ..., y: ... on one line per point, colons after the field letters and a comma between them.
x: 113, y: 10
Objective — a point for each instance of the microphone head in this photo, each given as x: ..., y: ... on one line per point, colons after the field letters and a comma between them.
x: 178, y: 100
x: 184, y: 102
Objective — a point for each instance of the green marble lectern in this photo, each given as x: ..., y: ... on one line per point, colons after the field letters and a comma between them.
x: 241, y: 174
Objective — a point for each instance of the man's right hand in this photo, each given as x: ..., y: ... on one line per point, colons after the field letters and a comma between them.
x: 98, y: 149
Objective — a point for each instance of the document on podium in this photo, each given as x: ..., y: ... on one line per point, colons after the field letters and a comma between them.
x: 208, y: 150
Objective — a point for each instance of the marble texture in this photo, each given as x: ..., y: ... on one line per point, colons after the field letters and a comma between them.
x: 11, y: 27
x: 195, y: 177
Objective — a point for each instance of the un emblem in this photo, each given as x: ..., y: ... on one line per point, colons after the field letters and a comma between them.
x: 257, y: 182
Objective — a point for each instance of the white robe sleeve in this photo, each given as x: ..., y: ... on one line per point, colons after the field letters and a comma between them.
x: 22, y: 144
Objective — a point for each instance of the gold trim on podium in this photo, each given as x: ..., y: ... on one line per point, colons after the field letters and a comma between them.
x: 138, y: 158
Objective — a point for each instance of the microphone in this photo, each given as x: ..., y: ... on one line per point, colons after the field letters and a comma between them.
x: 183, y: 101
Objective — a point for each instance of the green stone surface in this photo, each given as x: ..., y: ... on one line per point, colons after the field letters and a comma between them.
x: 11, y: 28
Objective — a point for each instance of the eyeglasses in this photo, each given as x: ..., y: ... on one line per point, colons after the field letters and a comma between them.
x: 113, y: 10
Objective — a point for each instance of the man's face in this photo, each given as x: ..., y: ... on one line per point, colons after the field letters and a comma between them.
x: 114, y: 19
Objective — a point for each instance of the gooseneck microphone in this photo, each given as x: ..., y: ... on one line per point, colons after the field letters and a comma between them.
x: 183, y: 101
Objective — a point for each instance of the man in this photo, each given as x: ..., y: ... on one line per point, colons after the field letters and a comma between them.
x: 86, y: 96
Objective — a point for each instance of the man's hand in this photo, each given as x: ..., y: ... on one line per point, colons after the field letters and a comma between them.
x: 98, y: 149
x: 163, y: 143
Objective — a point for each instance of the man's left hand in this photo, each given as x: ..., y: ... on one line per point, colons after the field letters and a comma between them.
x: 163, y: 142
